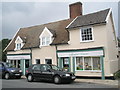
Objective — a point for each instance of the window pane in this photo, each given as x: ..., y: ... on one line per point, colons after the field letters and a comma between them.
x: 79, y: 63
x: 48, y: 61
x: 87, y: 63
x: 47, y: 40
x: 96, y: 63
x: 43, y: 40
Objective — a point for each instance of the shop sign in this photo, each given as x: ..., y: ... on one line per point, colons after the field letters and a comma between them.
x: 83, y: 53
x: 17, y: 57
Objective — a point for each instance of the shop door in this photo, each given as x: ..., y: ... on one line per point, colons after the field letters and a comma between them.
x: 66, y: 64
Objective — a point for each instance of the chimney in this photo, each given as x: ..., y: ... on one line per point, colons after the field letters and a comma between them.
x: 75, y: 9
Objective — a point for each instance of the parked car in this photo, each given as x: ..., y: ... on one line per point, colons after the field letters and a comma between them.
x: 49, y: 72
x: 8, y: 71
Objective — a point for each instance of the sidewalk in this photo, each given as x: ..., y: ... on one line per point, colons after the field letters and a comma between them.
x: 115, y: 83
x: 99, y: 81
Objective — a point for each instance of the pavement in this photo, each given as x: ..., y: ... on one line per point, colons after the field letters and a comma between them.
x: 115, y: 83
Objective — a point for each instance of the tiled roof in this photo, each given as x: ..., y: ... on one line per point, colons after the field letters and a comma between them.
x: 30, y: 35
x: 90, y: 19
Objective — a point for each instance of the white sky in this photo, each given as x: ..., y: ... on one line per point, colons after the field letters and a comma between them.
x: 15, y: 15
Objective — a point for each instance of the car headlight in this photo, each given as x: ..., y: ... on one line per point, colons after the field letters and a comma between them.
x: 20, y: 70
x: 12, y: 70
x: 67, y: 75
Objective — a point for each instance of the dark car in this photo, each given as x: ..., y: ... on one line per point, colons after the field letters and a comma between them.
x: 49, y: 72
x: 8, y: 71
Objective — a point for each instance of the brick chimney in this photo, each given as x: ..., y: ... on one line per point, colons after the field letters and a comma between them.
x: 75, y: 9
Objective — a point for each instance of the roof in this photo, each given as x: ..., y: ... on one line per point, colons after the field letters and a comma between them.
x: 89, y: 19
x: 30, y: 35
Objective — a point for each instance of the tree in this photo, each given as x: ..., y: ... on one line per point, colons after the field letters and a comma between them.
x: 3, y: 45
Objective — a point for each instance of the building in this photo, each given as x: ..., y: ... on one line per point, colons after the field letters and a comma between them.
x: 83, y: 44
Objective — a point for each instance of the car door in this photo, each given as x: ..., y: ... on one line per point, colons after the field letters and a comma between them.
x: 46, y: 74
x: 36, y: 71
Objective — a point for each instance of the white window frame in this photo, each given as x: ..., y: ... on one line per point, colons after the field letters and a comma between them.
x: 86, y: 40
x: 16, y: 43
x: 50, y: 37
x: 84, y: 65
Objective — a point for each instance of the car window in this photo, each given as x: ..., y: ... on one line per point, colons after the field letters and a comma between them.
x: 45, y: 67
x: 36, y: 67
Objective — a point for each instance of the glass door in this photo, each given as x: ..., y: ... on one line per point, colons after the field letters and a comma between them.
x: 66, y: 64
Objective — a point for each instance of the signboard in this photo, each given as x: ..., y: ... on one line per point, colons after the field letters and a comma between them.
x: 82, y: 53
x: 18, y: 57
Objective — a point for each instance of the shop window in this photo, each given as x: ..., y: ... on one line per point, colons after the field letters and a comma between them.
x: 88, y: 63
x: 79, y: 63
x: 48, y: 61
x: 37, y: 61
x: 96, y: 63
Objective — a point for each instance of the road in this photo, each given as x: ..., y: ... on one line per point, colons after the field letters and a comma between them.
x: 22, y: 83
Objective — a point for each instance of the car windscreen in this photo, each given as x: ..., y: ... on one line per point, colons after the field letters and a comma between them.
x: 55, y: 67
x: 9, y: 65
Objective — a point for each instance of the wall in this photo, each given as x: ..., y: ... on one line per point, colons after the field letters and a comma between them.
x: 47, y: 52
x: 101, y: 36
x: 112, y: 46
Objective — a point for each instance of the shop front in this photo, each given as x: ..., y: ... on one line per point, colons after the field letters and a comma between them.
x: 22, y: 61
x: 82, y: 60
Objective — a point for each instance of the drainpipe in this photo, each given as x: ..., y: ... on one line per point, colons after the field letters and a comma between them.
x: 56, y: 54
x: 31, y: 55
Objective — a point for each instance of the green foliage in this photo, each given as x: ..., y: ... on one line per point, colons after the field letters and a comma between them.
x: 3, y: 45
x: 117, y: 75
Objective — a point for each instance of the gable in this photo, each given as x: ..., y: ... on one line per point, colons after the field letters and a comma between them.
x: 46, y: 32
x: 18, y: 40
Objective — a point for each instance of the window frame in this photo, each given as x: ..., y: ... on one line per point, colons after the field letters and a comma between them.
x: 83, y: 58
x: 45, y: 38
x: 81, y: 34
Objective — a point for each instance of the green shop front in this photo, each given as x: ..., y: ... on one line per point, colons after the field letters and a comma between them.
x: 22, y: 61
x: 82, y: 61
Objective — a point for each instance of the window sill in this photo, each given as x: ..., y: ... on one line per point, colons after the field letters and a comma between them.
x: 86, y: 41
x: 91, y: 71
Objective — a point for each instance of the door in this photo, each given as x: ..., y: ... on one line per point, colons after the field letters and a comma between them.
x: 66, y: 64
x: 36, y: 71
x: 45, y: 72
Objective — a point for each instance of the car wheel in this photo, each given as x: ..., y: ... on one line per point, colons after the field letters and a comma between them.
x: 29, y: 78
x: 7, y: 75
x: 57, y: 80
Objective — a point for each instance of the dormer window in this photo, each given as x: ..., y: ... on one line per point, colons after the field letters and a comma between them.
x: 18, y: 43
x: 18, y: 46
x: 46, y: 37
x: 45, y: 41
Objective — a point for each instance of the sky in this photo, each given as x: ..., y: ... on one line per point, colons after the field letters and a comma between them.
x: 16, y: 15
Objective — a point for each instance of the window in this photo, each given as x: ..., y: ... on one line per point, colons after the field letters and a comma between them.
x: 48, y: 61
x: 86, y: 34
x: 45, y: 67
x: 36, y: 67
x: 18, y: 46
x: 37, y: 61
x: 88, y: 63
x: 45, y: 41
